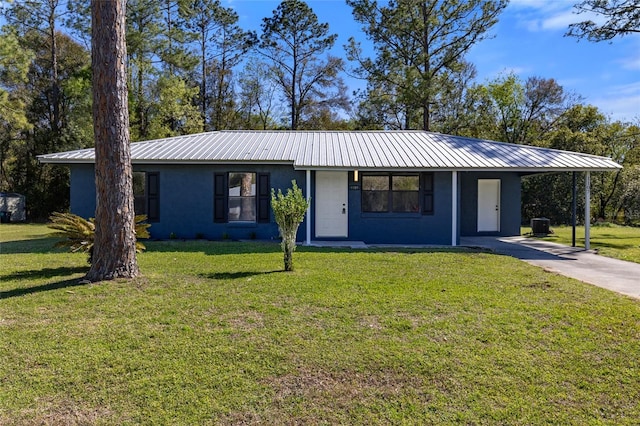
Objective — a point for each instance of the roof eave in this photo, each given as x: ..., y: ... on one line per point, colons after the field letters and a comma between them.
x: 462, y: 169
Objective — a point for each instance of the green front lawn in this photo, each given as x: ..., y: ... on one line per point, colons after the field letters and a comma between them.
x: 215, y: 333
x: 620, y: 242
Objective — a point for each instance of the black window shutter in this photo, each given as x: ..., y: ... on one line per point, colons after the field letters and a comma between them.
x: 427, y: 193
x: 220, y: 209
x: 264, y: 198
x: 153, y: 197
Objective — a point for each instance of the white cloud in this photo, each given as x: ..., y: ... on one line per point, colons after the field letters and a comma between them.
x: 547, y: 15
x: 622, y: 102
x: 543, y: 5
x: 559, y: 21
x: 632, y: 61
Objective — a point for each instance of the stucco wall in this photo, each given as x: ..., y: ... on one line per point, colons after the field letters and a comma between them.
x: 186, y: 200
x: 403, y: 228
x: 186, y: 206
x: 83, y: 190
x: 510, y: 200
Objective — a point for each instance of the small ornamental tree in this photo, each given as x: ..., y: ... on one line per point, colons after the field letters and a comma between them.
x: 289, y: 211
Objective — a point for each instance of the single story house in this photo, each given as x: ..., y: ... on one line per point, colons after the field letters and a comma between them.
x: 385, y: 187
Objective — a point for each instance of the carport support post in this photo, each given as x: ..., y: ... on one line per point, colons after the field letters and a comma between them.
x: 587, y: 210
x: 308, y: 191
x: 454, y: 208
x: 574, y: 210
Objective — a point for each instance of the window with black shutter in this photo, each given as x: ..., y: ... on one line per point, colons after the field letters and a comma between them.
x: 264, y: 198
x: 427, y: 193
x: 242, y: 197
x: 390, y: 193
x: 220, y: 197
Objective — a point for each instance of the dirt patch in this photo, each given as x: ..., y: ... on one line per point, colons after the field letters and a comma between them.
x: 245, y: 320
x: 68, y: 413
x: 340, y: 386
x: 371, y: 321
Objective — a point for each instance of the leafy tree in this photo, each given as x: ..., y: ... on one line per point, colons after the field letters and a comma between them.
x: 14, y: 64
x: 230, y: 43
x: 174, y: 114
x: 416, y: 42
x: 144, y: 29
x: 585, y: 129
x: 201, y: 18
x: 221, y: 43
x: 173, y: 40
x: 258, y: 105
x: 41, y: 19
x: 293, y: 40
x: 622, y: 18
x: 617, y: 199
x: 577, y: 129
x: 629, y: 200
x: 289, y: 211
x: 114, y: 247
x: 53, y: 98
x: 524, y: 112
x: 458, y: 103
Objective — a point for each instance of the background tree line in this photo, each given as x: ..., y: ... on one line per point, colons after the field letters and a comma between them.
x: 192, y: 68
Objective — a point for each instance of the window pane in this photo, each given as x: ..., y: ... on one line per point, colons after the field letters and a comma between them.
x: 406, y: 183
x: 375, y: 183
x: 139, y: 196
x: 242, y: 197
x: 138, y: 183
x: 242, y: 184
x: 406, y: 202
x: 375, y: 201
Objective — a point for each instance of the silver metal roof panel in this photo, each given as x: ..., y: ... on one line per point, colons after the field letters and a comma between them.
x: 390, y: 150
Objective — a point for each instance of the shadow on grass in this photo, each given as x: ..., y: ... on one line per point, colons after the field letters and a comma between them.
x: 211, y: 248
x: 611, y: 245
x: 17, y: 292
x: 237, y: 275
x: 40, y: 274
x: 598, y: 242
x: 39, y: 245
x: 214, y: 248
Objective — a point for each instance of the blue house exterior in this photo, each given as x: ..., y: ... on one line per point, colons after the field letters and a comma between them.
x: 374, y: 187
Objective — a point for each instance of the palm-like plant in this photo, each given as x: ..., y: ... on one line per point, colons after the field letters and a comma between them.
x: 79, y: 233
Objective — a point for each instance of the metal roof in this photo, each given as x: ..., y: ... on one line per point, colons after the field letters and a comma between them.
x: 388, y: 150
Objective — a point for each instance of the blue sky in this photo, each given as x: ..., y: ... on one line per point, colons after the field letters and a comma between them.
x: 528, y: 40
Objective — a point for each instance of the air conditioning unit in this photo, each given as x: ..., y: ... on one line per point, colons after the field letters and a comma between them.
x: 540, y: 226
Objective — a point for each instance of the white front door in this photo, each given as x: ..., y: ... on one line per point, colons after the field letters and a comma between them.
x: 488, y: 205
x: 332, y: 216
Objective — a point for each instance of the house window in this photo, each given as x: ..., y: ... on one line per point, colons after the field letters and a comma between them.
x: 397, y: 193
x: 146, y: 195
x: 241, y: 197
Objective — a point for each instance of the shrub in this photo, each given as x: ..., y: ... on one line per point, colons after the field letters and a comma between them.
x: 289, y: 211
x: 79, y: 233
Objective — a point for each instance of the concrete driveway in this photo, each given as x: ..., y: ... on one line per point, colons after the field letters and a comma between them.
x: 575, y: 262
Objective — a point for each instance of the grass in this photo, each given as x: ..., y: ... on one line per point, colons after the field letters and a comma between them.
x: 620, y: 242
x: 215, y: 333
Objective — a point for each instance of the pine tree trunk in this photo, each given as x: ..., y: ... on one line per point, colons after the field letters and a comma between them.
x: 114, y: 249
